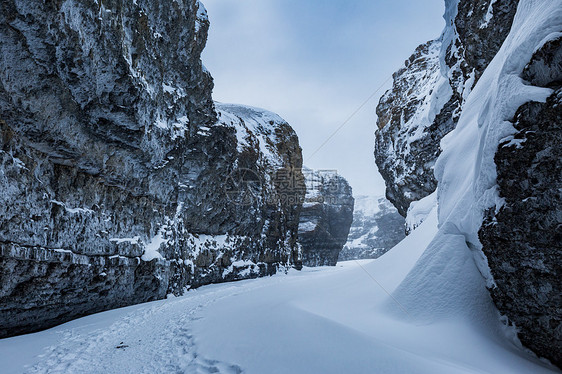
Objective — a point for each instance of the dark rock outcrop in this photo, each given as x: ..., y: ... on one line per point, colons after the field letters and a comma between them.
x: 325, y: 219
x: 407, y: 141
x: 428, y: 94
x: 377, y: 227
x: 523, y: 240
x: 119, y: 182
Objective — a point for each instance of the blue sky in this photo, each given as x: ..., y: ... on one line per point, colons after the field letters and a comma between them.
x: 314, y: 63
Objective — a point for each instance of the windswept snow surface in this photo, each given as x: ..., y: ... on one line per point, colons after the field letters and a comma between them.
x: 326, y: 320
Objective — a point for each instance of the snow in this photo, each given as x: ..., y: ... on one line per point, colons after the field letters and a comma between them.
x: 359, y: 242
x: 73, y: 210
x: 419, y: 210
x: 466, y: 170
x: 161, y: 123
x: 367, y: 205
x: 134, y: 240
x: 201, y: 17
x: 489, y: 15
x: 168, y: 89
x: 60, y: 250
x: 17, y: 162
x: 308, y: 226
x: 358, y: 317
x: 511, y: 141
x: 151, y: 248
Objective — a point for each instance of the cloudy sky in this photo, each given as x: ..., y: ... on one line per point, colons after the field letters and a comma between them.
x: 315, y: 63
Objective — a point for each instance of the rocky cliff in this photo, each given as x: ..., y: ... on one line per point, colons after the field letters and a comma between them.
x: 499, y: 177
x: 377, y: 227
x: 428, y: 93
x: 119, y: 181
x: 325, y: 219
x: 523, y: 239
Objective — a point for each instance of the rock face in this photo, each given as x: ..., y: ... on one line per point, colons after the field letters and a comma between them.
x: 407, y: 141
x: 521, y: 235
x: 377, y: 227
x: 119, y: 181
x: 325, y: 219
x: 428, y: 94
x: 523, y: 240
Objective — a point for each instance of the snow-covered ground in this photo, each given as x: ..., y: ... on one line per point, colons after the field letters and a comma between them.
x: 359, y: 317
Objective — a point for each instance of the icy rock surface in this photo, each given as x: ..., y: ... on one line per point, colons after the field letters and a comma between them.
x: 523, y: 240
x: 429, y: 92
x: 377, y: 227
x: 119, y: 182
x: 325, y: 219
x: 498, y: 169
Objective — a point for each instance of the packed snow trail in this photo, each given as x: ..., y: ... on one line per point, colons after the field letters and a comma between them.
x: 328, y: 320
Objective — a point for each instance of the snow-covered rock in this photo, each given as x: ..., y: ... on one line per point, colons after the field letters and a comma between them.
x: 325, y: 219
x: 498, y: 175
x: 412, y: 118
x: 119, y: 182
x: 377, y: 227
x: 429, y: 92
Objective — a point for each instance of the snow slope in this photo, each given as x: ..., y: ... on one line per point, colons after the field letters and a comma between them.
x: 465, y: 170
x: 327, y: 320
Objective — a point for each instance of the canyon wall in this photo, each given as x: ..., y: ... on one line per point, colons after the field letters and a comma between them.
x: 476, y: 115
x: 120, y: 180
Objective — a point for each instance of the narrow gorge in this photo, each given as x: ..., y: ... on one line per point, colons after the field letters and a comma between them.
x: 138, y: 210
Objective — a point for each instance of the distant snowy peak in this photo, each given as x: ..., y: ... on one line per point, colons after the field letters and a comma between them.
x: 377, y: 227
x: 369, y: 205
